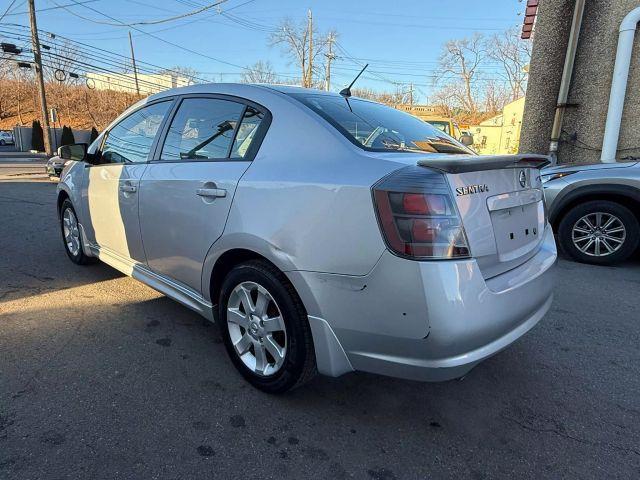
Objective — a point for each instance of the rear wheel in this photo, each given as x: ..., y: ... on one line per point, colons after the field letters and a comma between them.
x: 71, y: 234
x: 265, y: 328
x: 600, y: 232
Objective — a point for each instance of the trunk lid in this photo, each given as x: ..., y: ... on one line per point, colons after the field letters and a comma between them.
x: 501, y: 205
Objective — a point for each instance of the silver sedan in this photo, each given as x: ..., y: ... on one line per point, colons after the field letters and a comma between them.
x: 595, y: 209
x: 322, y: 233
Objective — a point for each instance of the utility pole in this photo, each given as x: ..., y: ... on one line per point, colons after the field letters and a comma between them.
x: 133, y: 61
x: 310, y: 65
x: 37, y: 59
x: 330, y: 57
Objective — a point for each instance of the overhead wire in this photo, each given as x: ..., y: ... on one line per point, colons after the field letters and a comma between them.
x: 195, y: 52
x: 146, y: 22
x: 38, y: 10
x: 7, y: 10
x: 89, y: 50
x: 102, y: 65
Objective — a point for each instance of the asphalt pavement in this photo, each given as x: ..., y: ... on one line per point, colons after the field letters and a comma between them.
x: 102, y: 377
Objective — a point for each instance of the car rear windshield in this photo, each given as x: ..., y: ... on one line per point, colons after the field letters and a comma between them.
x: 376, y: 127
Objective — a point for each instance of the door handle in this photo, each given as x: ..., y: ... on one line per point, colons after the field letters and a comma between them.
x: 128, y: 188
x: 211, y: 192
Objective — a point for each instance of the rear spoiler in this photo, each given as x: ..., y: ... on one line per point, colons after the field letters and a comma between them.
x: 475, y: 163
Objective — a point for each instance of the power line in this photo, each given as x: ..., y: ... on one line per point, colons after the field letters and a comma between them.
x: 94, y: 52
x: 146, y: 22
x: 346, y: 54
x: 159, y: 38
x: 41, y: 9
x: 92, y: 62
x: 7, y: 10
x: 171, y: 27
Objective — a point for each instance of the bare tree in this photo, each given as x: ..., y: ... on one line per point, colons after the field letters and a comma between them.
x: 446, y: 99
x: 303, y: 45
x: 496, y: 96
x: 60, y: 60
x: 389, y: 98
x: 191, y: 74
x: 260, y: 72
x: 513, y: 54
x: 459, y: 62
x: 6, y: 67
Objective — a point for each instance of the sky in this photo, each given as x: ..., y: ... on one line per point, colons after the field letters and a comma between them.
x: 401, y: 40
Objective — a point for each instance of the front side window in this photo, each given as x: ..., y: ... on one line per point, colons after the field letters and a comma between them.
x: 202, y: 129
x: 130, y: 140
x: 376, y: 127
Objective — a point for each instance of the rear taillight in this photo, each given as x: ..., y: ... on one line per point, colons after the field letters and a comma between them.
x: 418, y: 216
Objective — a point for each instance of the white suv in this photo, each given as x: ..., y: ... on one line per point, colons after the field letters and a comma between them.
x: 6, y: 138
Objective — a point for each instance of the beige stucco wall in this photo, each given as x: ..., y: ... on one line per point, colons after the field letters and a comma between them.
x: 500, y: 134
x: 589, y: 92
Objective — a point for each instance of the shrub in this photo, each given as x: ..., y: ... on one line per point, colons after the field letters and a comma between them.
x: 37, y: 136
x: 94, y: 135
x: 67, y: 136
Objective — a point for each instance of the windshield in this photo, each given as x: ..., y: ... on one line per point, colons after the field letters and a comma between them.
x: 441, y: 125
x: 376, y: 127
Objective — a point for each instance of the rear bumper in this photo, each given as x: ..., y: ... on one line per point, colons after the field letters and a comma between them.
x: 427, y: 321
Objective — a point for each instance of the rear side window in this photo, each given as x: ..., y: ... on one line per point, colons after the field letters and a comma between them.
x: 247, y: 132
x: 130, y: 140
x: 202, y: 129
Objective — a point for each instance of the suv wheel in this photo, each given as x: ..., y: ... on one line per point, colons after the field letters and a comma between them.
x: 600, y: 232
x: 71, y: 234
x: 265, y: 328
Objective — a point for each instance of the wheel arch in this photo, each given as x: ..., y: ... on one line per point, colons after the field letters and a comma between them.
x: 225, y: 263
x: 62, y: 196
x: 331, y: 358
x: 625, y: 195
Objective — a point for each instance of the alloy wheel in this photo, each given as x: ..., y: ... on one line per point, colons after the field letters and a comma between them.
x: 71, y: 231
x: 256, y: 328
x: 598, y: 234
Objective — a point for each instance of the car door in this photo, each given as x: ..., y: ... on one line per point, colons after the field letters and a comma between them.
x: 186, y: 192
x: 112, y: 182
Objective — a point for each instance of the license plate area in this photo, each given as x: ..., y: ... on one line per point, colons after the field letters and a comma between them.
x: 517, y: 229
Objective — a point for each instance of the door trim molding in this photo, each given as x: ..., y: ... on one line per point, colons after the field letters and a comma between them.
x: 174, y: 290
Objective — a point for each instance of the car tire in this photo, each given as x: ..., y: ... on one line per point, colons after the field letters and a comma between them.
x: 575, y: 233
x: 2, y: 143
x: 253, y: 294
x: 71, y: 236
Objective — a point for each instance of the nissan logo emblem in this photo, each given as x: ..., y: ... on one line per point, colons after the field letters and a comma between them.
x: 522, y: 178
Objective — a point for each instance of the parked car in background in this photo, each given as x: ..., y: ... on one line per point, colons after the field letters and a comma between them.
x: 595, y: 209
x: 55, y: 165
x: 451, y: 128
x: 6, y: 138
x: 322, y: 232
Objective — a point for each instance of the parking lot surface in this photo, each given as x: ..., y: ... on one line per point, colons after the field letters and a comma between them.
x: 102, y: 377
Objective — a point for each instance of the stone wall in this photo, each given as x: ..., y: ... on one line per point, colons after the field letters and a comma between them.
x: 583, y: 125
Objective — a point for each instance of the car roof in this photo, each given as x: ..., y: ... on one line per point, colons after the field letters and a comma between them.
x: 289, y: 89
x: 244, y: 88
x: 241, y: 89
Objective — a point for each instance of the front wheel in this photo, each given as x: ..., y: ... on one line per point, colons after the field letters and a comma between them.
x: 600, y: 232
x: 71, y: 234
x: 265, y: 328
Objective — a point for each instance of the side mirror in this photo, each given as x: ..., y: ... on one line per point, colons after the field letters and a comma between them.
x: 466, y: 139
x: 75, y: 151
